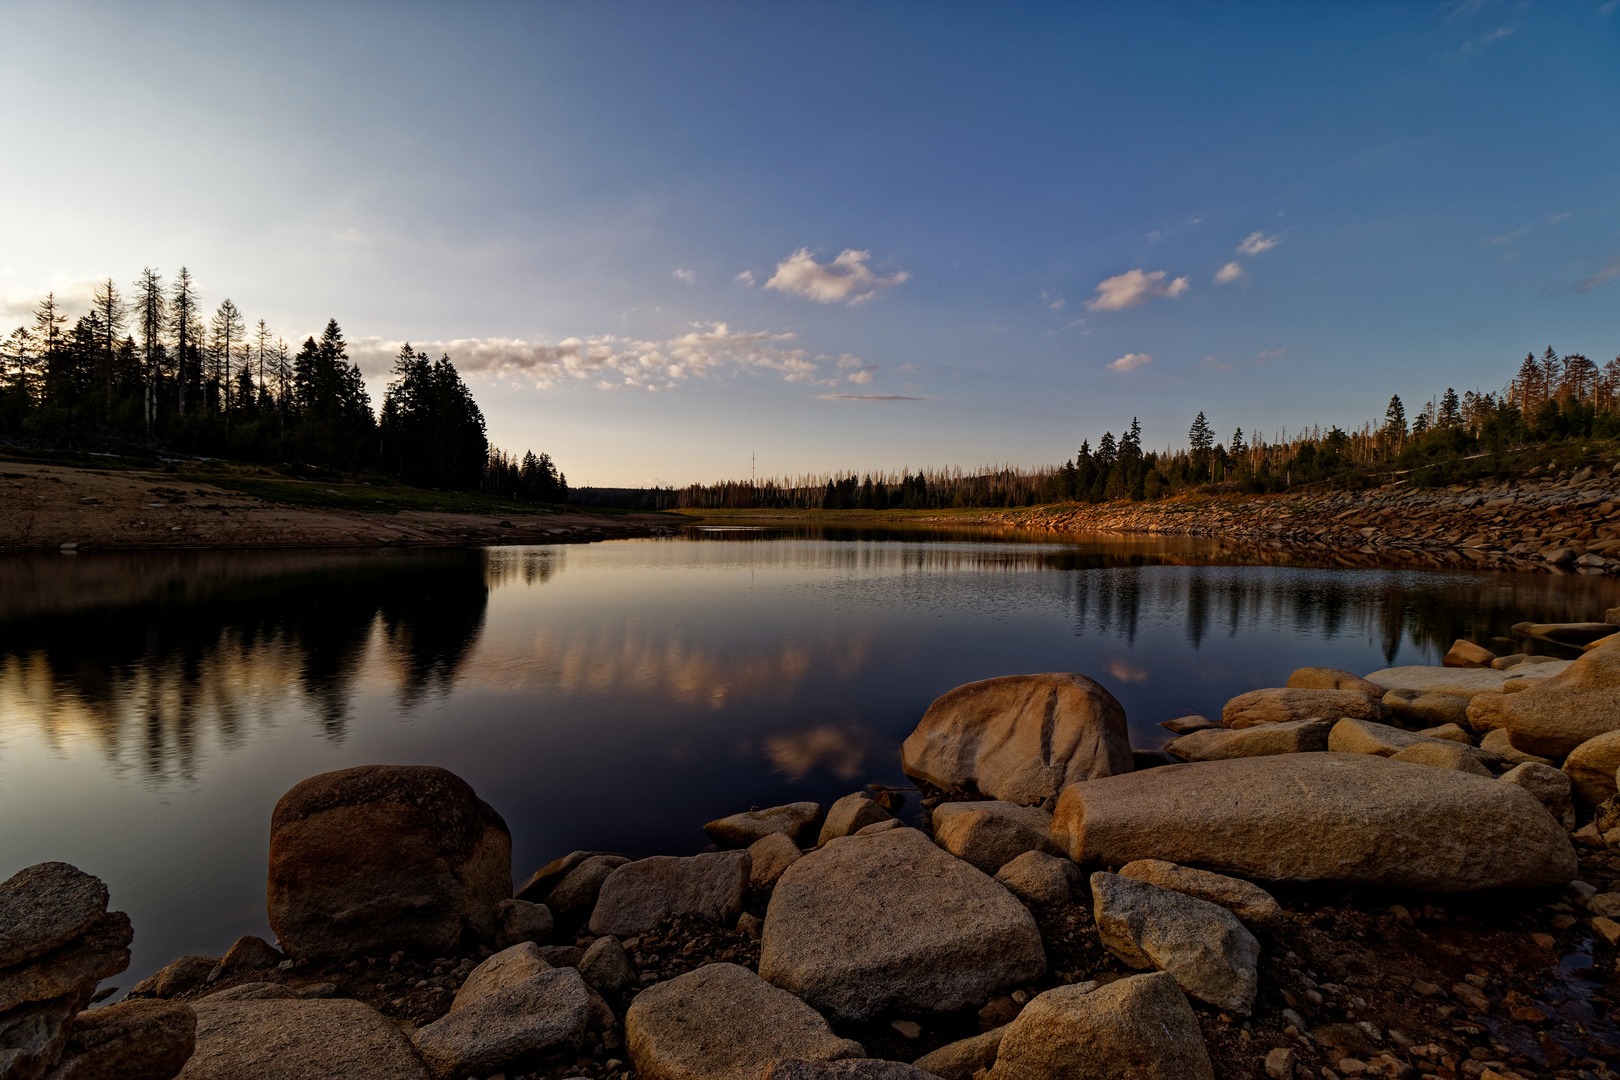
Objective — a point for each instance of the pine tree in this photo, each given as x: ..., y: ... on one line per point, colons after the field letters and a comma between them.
x: 110, y: 307
x: 1527, y: 383
x: 1450, y: 414
x: 1395, y: 420
x: 48, y: 322
x: 184, y: 325
x: 1238, y: 447
x: 227, y: 331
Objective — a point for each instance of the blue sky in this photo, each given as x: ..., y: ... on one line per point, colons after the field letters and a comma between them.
x: 658, y: 238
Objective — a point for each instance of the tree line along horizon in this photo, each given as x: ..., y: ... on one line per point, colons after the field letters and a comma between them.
x: 147, y: 372
x: 1450, y: 437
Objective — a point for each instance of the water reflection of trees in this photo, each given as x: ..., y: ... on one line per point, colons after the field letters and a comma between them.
x: 144, y: 655
x: 1428, y: 610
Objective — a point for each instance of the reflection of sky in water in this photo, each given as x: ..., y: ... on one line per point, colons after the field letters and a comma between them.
x: 152, y: 708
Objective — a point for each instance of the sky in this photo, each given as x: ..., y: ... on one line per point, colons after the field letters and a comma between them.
x: 673, y: 242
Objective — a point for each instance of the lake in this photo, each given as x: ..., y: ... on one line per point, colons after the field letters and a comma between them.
x: 616, y: 695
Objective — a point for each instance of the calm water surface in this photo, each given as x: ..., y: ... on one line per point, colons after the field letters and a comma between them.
x: 615, y: 695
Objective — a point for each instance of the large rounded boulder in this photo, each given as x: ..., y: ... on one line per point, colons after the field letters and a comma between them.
x: 383, y: 857
x: 1553, y: 717
x: 1019, y: 738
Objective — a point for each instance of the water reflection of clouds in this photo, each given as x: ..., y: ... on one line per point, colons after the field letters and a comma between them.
x: 841, y: 751
x: 656, y: 660
x: 1127, y: 671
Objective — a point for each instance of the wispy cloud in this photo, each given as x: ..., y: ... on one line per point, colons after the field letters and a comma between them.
x: 1507, y: 237
x: 1475, y: 44
x: 705, y: 351
x: 847, y: 277
x: 1556, y: 218
x: 872, y: 397
x: 1131, y: 361
x: 1230, y: 273
x: 745, y: 278
x: 687, y: 276
x: 1132, y: 288
x: 1257, y: 241
x: 1602, y: 277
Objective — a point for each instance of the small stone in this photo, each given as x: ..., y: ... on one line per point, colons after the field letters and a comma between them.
x: 1497, y: 741
x: 517, y: 921
x: 1545, y: 941
x: 796, y: 821
x: 184, y: 974
x: 751, y: 924
x: 1280, y: 1063
x: 850, y: 814
x: 605, y: 968
x: 540, y: 1012
x: 639, y: 895
x: 250, y: 953
x: 506, y: 968
x: 1039, y: 878
x: 962, y: 1059
x: 1607, y: 929
x: 537, y: 890
x: 771, y: 854
x: 1552, y: 786
x: 991, y: 834
x: 909, y: 1029
x: 1211, y: 954
x: 1248, y: 901
x: 1465, y: 654
x: 1280, y: 705
x: 1288, y: 737
x: 1563, y: 922
x: 723, y: 1022
x: 1136, y: 1028
x: 576, y: 894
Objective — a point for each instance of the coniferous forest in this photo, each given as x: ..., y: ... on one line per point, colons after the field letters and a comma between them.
x: 150, y: 371
x: 1550, y: 400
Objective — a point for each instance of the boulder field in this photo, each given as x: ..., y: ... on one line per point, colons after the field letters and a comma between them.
x: 1316, y: 887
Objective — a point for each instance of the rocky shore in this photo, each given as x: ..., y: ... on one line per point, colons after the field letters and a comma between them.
x: 1413, y: 873
x: 1565, y: 521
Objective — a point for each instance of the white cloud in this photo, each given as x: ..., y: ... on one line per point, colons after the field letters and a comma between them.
x: 1232, y: 271
x: 846, y: 277
x: 1131, y: 361
x: 1134, y: 287
x: 1257, y: 241
x: 745, y: 278
x: 706, y: 351
x: 687, y: 276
